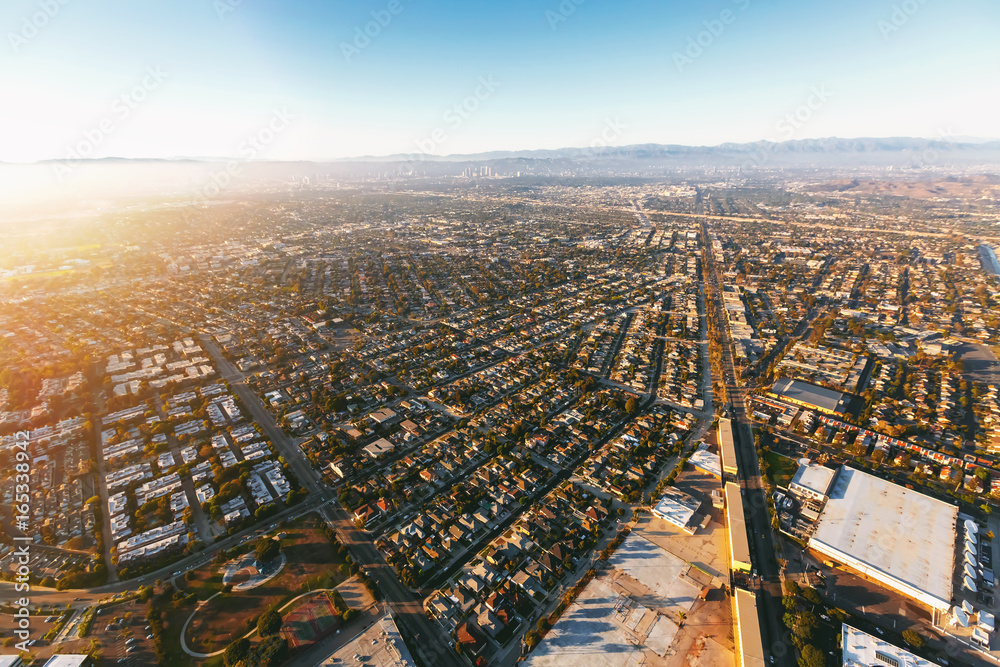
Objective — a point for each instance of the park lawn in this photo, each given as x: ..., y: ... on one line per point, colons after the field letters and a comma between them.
x: 173, y: 621
x: 312, y: 562
x: 205, y: 582
x: 782, y: 468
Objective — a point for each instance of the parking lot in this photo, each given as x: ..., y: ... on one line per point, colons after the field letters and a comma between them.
x: 44, y: 562
x: 124, y: 634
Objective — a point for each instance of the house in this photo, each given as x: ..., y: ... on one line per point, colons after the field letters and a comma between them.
x: 489, y: 623
x: 473, y: 583
x: 486, y: 573
x: 462, y: 599
x: 470, y: 637
x: 365, y: 514
x: 550, y: 563
x: 379, y: 448
x: 528, y: 583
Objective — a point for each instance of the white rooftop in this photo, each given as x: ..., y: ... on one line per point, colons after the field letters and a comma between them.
x: 707, y: 461
x: 860, y: 649
x: 814, y: 477
x: 676, y: 507
x: 869, y: 524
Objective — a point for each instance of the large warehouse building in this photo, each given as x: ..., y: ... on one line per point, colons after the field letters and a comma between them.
x: 891, y: 534
x: 739, y: 539
x: 812, y: 396
x: 749, y: 641
x: 727, y: 447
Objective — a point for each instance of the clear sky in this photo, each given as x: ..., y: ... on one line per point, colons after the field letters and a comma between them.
x: 202, y: 77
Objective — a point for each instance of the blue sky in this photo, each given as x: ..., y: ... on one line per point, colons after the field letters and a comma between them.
x: 555, y: 74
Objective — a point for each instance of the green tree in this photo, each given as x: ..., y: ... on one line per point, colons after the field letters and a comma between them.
x: 269, y: 623
x: 914, y: 638
x: 812, y: 595
x: 267, y: 550
x: 812, y: 657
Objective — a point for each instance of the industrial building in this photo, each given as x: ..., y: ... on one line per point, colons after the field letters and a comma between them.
x: 680, y: 509
x: 812, y: 481
x: 727, y: 447
x: 739, y: 539
x: 706, y: 461
x: 861, y: 649
x: 812, y: 396
x: 749, y: 642
x: 901, y: 538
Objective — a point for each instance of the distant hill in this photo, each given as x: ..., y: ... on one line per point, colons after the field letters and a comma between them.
x: 798, y: 151
x: 799, y: 147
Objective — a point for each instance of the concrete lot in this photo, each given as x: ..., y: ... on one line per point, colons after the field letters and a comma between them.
x: 378, y: 645
x: 660, y: 575
x: 631, y: 614
x: 593, y: 633
x: 705, y: 637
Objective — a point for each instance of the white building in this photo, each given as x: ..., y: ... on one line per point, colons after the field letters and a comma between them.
x: 861, y: 649
x: 870, y: 524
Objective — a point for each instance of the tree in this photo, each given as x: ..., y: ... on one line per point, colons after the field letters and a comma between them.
x: 632, y: 405
x: 914, y: 638
x: 267, y: 550
x: 812, y: 595
x: 792, y: 587
x: 812, y: 657
x: 237, y: 651
x: 269, y: 623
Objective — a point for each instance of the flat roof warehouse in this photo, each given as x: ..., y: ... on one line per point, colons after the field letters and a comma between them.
x: 811, y: 396
x: 870, y: 525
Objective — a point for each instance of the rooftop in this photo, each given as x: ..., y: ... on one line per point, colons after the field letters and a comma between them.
x: 860, y: 649
x: 868, y: 524
x: 812, y: 394
x: 705, y: 460
x: 751, y: 642
x: 814, y: 477
x: 677, y: 507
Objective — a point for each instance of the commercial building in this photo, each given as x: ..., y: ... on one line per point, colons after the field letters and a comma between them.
x: 739, y: 539
x: 727, y: 447
x: 680, y: 509
x: 870, y: 525
x: 706, y: 461
x: 812, y: 396
x: 749, y: 642
x: 861, y: 649
x: 812, y: 481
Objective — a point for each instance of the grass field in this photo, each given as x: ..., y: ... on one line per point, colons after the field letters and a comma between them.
x: 311, y: 562
x: 782, y: 468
